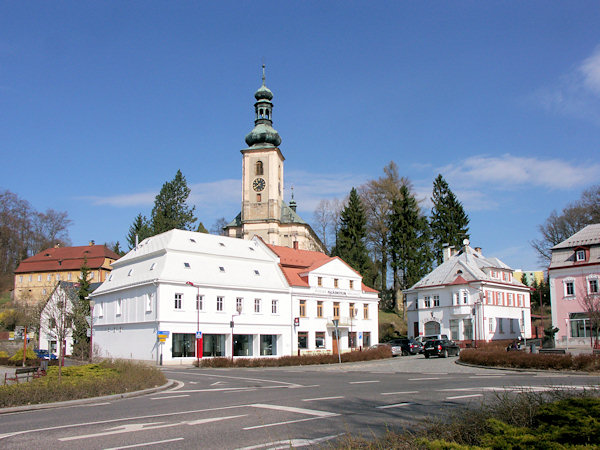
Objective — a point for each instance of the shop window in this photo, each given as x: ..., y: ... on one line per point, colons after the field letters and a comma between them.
x: 213, y: 345
x: 352, y: 339
x: 268, y: 344
x: 302, y: 339
x: 366, y: 339
x: 183, y: 345
x: 242, y: 344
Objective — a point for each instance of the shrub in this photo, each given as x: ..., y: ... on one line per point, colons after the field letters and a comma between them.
x: 29, y: 355
x: 3, y: 354
x: 92, y: 380
x: 524, y: 360
x: 304, y: 360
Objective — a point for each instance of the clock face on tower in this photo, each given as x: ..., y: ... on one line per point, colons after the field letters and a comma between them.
x: 258, y: 184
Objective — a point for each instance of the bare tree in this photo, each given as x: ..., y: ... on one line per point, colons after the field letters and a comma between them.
x: 49, y: 228
x: 218, y: 227
x: 591, y: 306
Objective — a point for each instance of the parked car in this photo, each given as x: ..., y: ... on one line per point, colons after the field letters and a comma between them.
x: 395, y: 347
x: 44, y: 354
x: 408, y: 346
x: 441, y: 347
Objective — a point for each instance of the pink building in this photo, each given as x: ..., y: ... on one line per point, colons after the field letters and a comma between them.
x: 574, y: 275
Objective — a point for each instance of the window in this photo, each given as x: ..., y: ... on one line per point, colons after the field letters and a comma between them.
x: 219, y: 303
x: 593, y: 286
x: 580, y: 255
x: 258, y: 198
x: 268, y: 344
x: 510, y: 299
x: 21, y: 278
x: 436, y: 300
x: 186, y: 265
x: 320, y: 339
x: 130, y: 272
x: 336, y: 310
x: 319, y: 309
x: 257, y: 305
x: 512, y: 325
x: 39, y: 277
x: 273, y: 306
x: 221, y: 269
x: 178, y: 300
x: 44, y: 291
x: 352, y: 310
x: 302, y: 339
x: 351, y: 284
x: 259, y: 168
x: 427, y: 302
x: 454, y: 329
x: 69, y: 276
x: 242, y: 344
x: 193, y: 240
x: 183, y: 345
x: 100, y: 308
x: 457, y: 298
x: 352, y: 339
x: 491, y: 324
x: 302, y: 308
x: 149, y: 302
x: 319, y: 281
x: 222, y: 244
x: 569, y: 288
x: 119, y: 305
x: 30, y: 277
x: 335, y: 282
x: 239, y: 303
x: 465, y: 297
x: 256, y: 272
x: 91, y: 275
x: 199, y: 302
x: 500, y: 325
x: 366, y: 339
x: 365, y: 311
x: 57, y: 277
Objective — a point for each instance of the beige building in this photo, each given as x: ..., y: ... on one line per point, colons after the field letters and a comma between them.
x: 537, y: 275
x: 37, y: 276
x: 264, y: 212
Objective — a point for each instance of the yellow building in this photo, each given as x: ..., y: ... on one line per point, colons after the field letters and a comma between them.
x: 36, y: 277
x: 538, y: 275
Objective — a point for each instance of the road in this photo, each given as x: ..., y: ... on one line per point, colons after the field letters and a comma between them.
x: 273, y: 408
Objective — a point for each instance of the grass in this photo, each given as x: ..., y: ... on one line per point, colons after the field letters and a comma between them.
x: 391, y: 324
x: 556, y: 419
x: 491, y: 356
x: 91, y: 380
x: 326, y: 358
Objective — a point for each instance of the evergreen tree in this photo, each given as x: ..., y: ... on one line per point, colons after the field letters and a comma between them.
x: 170, y: 208
x: 350, y: 238
x: 201, y: 228
x: 80, y: 313
x: 449, y: 222
x: 410, y: 242
x: 524, y: 279
x: 140, y: 228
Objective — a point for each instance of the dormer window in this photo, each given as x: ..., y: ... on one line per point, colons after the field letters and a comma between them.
x: 193, y: 240
x: 221, y: 268
x: 152, y: 266
x: 186, y: 265
x: 256, y: 272
x: 130, y: 272
x: 580, y: 255
x: 221, y: 244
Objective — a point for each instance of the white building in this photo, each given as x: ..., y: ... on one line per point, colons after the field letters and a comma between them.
x: 469, y: 297
x: 182, y: 282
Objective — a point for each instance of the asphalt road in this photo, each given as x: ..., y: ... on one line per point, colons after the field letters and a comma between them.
x: 274, y: 408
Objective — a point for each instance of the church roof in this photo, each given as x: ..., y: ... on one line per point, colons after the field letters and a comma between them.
x: 288, y: 215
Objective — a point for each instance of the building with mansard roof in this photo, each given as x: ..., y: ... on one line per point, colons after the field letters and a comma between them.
x: 264, y: 212
x: 469, y: 298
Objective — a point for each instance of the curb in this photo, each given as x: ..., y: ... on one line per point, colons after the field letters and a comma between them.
x: 519, y: 369
x: 83, y: 401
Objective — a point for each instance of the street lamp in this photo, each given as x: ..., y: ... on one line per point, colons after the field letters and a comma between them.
x: 189, y: 283
x: 92, y: 303
x: 239, y: 311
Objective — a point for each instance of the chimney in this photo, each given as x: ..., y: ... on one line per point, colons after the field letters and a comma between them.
x: 92, y: 243
x: 478, y: 250
x: 447, y: 252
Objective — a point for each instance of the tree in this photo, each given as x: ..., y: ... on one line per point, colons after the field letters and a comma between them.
x: 218, y: 227
x: 325, y: 220
x: 590, y: 303
x: 138, y: 231
x: 377, y: 197
x: 201, y: 228
x: 49, y: 229
x: 410, y: 248
x: 449, y: 222
x: 170, y: 208
x: 524, y: 279
x: 350, y: 239
x: 573, y: 218
x: 80, y: 312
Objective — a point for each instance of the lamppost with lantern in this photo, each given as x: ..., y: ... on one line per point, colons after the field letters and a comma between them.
x: 239, y: 311
x: 92, y: 303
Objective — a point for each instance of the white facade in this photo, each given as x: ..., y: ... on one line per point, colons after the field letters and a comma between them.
x: 469, y: 298
x: 55, y: 324
x: 148, y: 291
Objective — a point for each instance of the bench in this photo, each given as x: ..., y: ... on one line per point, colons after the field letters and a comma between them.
x: 23, y: 373
x: 553, y: 351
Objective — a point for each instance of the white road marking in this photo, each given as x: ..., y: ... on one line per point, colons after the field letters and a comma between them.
x: 282, y: 423
x: 145, y: 444
x: 396, y: 405
x: 435, y: 373
x: 487, y: 376
x: 169, y: 396
x: 216, y: 383
x: 464, y: 396
x: 292, y: 443
x: 423, y: 379
x: 310, y: 412
x: 321, y: 398
x: 249, y: 379
x: 399, y: 393
x: 363, y: 382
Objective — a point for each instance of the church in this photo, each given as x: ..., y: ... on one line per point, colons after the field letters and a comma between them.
x: 264, y: 212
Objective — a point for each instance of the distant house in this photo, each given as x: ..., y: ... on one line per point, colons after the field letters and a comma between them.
x: 247, y: 298
x: 469, y: 297
x: 574, y: 275
x: 37, y: 276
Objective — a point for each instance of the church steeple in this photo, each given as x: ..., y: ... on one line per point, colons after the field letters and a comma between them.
x: 263, y: 134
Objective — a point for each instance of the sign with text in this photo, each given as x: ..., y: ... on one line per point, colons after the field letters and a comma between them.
x: 162, y: 335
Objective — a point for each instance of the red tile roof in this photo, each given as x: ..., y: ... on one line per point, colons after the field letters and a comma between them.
x: 67, y: 258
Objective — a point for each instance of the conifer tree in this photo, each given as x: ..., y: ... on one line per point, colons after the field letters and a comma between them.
x: 79, y: 314
x: 170, y: 208
x: 350, y: 238
x: 140, y: 228
x: 410, y: 242
x: 449, y: 222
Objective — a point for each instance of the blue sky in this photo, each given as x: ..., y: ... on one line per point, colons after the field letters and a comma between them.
x: 102, y: 102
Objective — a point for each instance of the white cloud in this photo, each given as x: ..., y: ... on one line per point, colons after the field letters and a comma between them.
x: 577, y: 93
x: 510, y: 172
x: 124, y: 200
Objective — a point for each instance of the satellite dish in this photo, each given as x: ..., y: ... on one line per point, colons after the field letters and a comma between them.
x: 465, y: 242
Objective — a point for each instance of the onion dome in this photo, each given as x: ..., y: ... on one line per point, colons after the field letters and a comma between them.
x: 263, y: 133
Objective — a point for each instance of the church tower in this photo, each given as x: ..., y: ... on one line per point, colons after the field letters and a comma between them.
x: 264, y: 212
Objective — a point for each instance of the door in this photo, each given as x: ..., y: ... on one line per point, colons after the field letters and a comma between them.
x: 416, y: 329
x: 334, y: 340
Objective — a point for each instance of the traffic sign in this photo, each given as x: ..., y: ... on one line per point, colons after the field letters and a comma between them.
x: 198, y: 334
